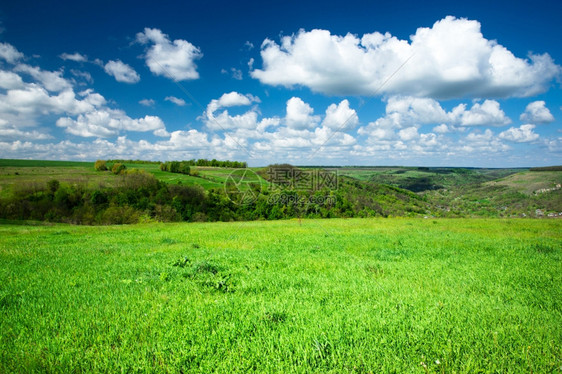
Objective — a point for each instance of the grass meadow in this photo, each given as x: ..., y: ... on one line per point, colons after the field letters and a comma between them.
x: 356, y: 295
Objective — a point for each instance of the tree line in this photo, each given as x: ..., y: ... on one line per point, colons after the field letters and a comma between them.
x: 140, y: 197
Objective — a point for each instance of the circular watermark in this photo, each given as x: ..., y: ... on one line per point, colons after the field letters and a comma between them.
x: 243, y: 186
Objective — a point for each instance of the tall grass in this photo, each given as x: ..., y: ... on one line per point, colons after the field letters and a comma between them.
x: 373, y: 295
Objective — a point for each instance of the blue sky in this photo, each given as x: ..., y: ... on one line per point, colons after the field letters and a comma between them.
x: 354, y: 83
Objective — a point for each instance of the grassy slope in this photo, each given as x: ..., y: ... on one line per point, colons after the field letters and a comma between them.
x: 372, y: 295
x: 420, y: 179
x: 38, y: 172
x: 530, y: 181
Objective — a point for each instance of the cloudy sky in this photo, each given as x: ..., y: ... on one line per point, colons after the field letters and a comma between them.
x: 401, y: 83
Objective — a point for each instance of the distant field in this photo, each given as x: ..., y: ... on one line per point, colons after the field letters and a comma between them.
x: 419, y: 179
x: 37, y: 172
x: 530, y: 181
x: 341, y: 295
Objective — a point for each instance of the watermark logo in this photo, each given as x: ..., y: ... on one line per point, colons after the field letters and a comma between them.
x: 302, y: 180
x: 288, y: 186
x: 243, y: 186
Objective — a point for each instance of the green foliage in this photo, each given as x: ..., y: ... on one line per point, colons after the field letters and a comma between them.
x: 308, y: 296
x: 118, y: 168
x: 53, y: 185
x: 176, y: 167
x: 547, y: 168
x: 100, y: 165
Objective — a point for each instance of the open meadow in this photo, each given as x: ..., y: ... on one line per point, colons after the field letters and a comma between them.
x: 339, y: 295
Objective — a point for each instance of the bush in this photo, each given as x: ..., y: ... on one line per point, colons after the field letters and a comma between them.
x: 118, y: 168
x: 53, y: 185
x: 100, y: 165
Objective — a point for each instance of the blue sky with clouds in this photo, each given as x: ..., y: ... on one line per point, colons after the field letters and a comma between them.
x: 354, y: 83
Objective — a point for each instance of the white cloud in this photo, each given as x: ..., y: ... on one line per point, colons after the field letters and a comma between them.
x: 486, y: 114
x: 441, y: 129
x: 51, y: 80
x: 107, y: 122
x: 9, y: 80
x: 236, y: 74
x: 24, y: 105
x: 408, y: 133
x: 175, y: 100
x: 82, y: 74
x: 9, y: 53
x: 340, y: 116
x: 8, y: 131
x: 300, y: 115
x: 225, y: 121
x: 484, y: 142
x: 74, y: 57
x: 147, y: 102
x: 450, y: 60
x: 121, y: 72
x: 174, y: 60
x: 229, y: 100
x: 407, y: 112
x: 537, y: 112
x: 523, y: 134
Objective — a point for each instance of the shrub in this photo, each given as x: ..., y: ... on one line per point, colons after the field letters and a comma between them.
x: 53, y: 185
x: 100, y: 165
x: 118, y: 168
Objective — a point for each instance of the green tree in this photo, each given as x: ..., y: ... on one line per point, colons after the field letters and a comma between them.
x: 100, y: 165
x: 118, y: 168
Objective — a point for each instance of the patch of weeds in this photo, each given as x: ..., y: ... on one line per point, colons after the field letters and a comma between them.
x: 168, y: 241
x: 195, y: 246
x: 275, y: 317
x: 323, y: 348
x: 60, y: 232
x: 182, y: 262
x: 392, y: 254
x: 374, y: 269
x: 543, y: 248
x: 221, y: 282
x: 205, y: 267
x: 9, y: 300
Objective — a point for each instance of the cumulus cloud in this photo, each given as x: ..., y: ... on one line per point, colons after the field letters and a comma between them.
x: 23, y: 105
x: 107, y: 122
x: 300, y: 115
x: 522, y: 134
x: 121, y: 72
x: 408, y: 133
x: 486, y: 114
x: 225, y: 121
x: 147, y: 102
x: 441, y: 129
x: 10, y: 80
x: 408, y: 112
x: 340, y: 116
x: 452, y: 59
x: 537, y: 112
x: 83, y: 114
x: 51, y: 80
x: 82, y: 74
x: 9, y: 53
x: 482, y: 142
x: 77, y: 57
x: 174, y: 60
x: 175, y: 100
x: 235, y: 73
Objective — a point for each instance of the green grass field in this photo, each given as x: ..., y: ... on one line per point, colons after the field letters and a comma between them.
x: 357, y: 295
x: 29, y: 173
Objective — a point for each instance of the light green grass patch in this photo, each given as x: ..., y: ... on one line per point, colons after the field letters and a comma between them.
x: 372, y: 295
